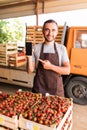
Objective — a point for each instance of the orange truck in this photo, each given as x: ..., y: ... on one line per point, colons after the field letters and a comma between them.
x: 75, y: 84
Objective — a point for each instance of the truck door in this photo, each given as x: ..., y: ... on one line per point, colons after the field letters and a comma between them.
x: 78, y: 58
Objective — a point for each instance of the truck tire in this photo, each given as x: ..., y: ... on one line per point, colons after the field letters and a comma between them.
x: 77, y: 90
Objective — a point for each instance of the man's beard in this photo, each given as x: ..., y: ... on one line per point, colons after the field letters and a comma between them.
x: 49, y: 40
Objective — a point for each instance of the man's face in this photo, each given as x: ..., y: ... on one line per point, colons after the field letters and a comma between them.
x: 50, y: 31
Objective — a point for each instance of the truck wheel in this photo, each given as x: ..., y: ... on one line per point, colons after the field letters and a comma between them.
x: 77, y: 90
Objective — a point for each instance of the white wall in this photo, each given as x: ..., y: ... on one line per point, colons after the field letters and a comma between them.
x: 72, y: 18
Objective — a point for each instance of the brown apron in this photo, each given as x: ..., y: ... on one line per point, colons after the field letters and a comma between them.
x: 48, y: 81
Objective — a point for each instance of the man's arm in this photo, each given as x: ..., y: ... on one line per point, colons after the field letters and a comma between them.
x: 30, y: 64
x: 62, y: 70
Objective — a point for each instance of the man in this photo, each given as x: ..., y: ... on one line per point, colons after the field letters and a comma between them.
x: 51, y: 61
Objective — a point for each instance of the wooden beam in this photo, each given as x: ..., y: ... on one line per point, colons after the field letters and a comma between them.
x: 37, y: 11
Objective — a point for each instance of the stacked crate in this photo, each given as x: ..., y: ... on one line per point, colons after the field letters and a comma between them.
x: 60, y: 34
x: 38, y: 34
x: 16, y: 60
x: 5, y: 50
x: 30, y: 34
x: 34, y: 34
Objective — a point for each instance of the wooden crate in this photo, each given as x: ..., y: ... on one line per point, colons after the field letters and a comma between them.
x: 8, y: 47
x: 9, y: 122
x: 65, y: 123
x: 5, y: 50
x: 27, y: 124
x: 30, y: 33
x: 15, y: 61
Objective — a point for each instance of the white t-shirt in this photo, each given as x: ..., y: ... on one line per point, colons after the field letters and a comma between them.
x: 61, y: 49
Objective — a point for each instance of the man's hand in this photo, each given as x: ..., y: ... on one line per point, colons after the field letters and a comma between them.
x: 46, y: 64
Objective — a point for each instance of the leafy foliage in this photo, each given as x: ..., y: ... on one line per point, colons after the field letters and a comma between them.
x: 11, y: 31
x: 3, y: 33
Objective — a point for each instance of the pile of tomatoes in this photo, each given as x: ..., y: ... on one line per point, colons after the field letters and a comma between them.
x: 3, y: 96
x: 48, y: 110
x: 18, y: 103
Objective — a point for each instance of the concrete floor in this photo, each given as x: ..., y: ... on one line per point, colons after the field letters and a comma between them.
x: 79, y: 117
x: 79, y: 111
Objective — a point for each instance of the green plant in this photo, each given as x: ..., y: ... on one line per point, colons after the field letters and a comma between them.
x: 11, y: 31
x: 3, y: 32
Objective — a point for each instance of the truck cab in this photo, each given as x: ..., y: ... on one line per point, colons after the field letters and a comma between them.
x: 76, y: 83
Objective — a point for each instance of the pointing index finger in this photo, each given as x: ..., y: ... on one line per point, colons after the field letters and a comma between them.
x: 42, y: 61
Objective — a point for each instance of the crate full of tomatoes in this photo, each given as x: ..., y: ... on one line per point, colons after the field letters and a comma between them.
x: 13, y: 105
x: 50, y: 113
x: 7, y: 117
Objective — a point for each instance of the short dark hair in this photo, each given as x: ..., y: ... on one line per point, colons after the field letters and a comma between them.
x: 49, y: 21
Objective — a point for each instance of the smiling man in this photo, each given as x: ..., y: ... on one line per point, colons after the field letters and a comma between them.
x: 50, y: 60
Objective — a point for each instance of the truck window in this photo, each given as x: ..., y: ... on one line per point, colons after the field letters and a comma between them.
x: 80, y: 39
x: 77, y: 44
x: 84, y: 40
